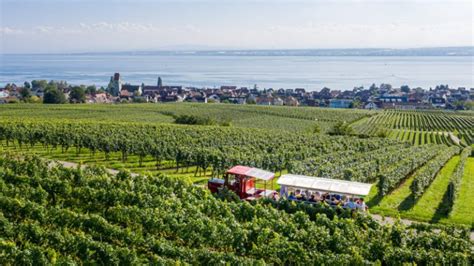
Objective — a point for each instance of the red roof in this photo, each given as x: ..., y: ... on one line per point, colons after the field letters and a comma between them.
x: 238, y: 170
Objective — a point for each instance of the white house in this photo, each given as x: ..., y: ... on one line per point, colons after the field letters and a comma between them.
x: 370, y: 106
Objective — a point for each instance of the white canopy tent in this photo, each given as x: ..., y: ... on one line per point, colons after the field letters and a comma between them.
x: 323, y: 184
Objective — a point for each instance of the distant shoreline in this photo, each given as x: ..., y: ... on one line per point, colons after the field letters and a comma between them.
x: 366, y: 52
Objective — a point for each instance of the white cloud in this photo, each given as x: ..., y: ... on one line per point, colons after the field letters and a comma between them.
x: 9, y: 30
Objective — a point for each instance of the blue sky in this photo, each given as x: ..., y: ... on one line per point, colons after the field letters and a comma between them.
x: 52, y: 26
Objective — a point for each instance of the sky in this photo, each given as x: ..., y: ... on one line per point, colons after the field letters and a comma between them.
x: 59, y: 26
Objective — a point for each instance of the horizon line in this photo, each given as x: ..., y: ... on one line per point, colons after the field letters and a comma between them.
x: 188, y: 50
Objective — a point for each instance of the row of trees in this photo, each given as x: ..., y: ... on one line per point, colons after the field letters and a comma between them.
x: 206, y: 147
x: 363, y: 167
x: 53, y: 92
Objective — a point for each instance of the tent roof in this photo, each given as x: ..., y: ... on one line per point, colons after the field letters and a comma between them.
x: 325, y: 184
x: 251, y: 172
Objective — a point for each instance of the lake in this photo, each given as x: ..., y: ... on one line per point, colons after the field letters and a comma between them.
x: 310, y: 72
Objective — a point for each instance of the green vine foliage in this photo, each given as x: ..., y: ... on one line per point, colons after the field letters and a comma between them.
x: 55, y: 215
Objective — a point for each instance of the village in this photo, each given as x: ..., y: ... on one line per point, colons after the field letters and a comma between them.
x: 374, y: 97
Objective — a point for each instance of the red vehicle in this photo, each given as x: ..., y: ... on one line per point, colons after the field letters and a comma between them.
x: 243, y: 181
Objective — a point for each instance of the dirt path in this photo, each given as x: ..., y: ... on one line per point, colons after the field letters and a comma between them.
x: 74, y: 165
x: 391, y: 220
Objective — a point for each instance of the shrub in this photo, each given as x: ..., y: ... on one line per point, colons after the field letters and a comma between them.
x: 194, y: 120
x: 341, y: 128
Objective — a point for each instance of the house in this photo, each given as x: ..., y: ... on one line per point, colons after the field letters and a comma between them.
x: 335, y: 93
x: 228, y: 88
x: 237, y: 100
x: 125, y: 94
x: 133, y: 89
x: 38, y: 92
x: 394, y: 98
x: 265, y: 100
x: 281, y: 92
x: 371, y: 106
x: 278, y: 101
x: 340, y: 103
x: 439, y: 102
x: 291, y: 101
x: 300, y: 91
x: 4, y: 94
x: 312, y: 102
x: 214, y: 97
x: 101, y: 98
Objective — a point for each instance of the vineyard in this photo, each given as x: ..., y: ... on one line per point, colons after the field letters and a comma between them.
x: 421, y: 127
x: 57, y: 215
x: 244, y: 116
x: 419, y: 163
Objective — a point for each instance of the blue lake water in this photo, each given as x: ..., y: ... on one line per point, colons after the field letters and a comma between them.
x: 310, y: 72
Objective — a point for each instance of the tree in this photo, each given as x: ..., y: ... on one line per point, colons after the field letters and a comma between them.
x: 53, y: 95
x: 469, y: 105
x: 9, y: 86
x: 60, y: 84
x: 405, y: 89
x: 356, y: 103
x: 37, y: 84
x: 77, y: 95
x: 251, y: 101
x: 160, y: 82
x: 27, y: 85
x: 101, y: 90
x: 385, y: 87
x: 25, y: 93
x: 341, y: 128
x: 325, y: 93
x: 91, y: 90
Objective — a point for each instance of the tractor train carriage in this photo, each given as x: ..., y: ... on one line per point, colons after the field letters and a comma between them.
x: 251, y: 183
x: 292, y: 182
x: 246, y: 182
x: 334, y: 192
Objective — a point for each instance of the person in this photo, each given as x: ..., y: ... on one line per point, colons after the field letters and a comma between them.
x: 327, y: 198
x: 350, y: 204
x: 317, y: 196
x: 334, y: 201
x: 292, y: 196
x: 312, y: 198
x: 276, y: 196
x: 361, y: 206
x: 299, y: 195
